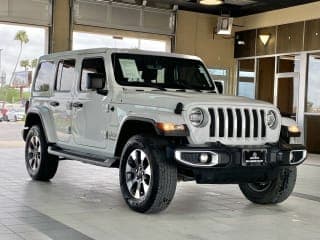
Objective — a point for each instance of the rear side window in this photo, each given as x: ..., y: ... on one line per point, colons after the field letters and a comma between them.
x: 91, y: 65
x: 44, y: 77
x: 65, y: 75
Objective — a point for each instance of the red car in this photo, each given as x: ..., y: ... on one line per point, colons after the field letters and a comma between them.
x: 3, y: 111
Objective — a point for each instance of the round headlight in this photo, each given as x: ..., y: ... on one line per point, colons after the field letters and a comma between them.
x: 272, y: 119
x: 197, y: 117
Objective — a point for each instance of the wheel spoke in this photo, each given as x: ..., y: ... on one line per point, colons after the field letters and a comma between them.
x: 143, y: 157
x: 34, y: 142
x: 37, y: 162
x: 31, y: 146
x: 130, y: 175
x: 137, y: 193
x: 145, y: 187
x: 147, y: 170
x: 32, y: 162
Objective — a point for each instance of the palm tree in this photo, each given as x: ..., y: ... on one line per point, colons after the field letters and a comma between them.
x: 21, y: 36
x: 25, y: 64
x: 34, y: 63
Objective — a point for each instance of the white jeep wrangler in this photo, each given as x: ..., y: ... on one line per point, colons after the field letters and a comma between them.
x: 158, y: 118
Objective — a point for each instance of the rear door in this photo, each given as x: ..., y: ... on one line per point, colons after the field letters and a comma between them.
x: 61, y: 101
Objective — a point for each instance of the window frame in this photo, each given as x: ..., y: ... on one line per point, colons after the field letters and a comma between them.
x: 56, y: 75
x: 80, y: 75
x: 37, y: 74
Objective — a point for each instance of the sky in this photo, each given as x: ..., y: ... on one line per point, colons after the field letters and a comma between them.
x: 10, y: 47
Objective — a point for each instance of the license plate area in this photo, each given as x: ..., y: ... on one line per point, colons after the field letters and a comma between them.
x: 254, y: 157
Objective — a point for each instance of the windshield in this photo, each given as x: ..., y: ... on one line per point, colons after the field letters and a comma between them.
x: 160, y: 72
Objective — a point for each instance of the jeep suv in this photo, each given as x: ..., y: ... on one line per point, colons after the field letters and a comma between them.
x: 159, y: 118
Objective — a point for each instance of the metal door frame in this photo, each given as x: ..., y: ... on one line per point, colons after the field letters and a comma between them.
x: 300, y: 97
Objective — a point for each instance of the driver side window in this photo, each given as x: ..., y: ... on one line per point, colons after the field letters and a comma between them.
x: 91, y: 65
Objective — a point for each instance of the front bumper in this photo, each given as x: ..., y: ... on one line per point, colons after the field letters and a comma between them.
x: 227, y: 164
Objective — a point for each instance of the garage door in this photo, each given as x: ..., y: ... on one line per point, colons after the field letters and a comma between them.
x: 26, y: 11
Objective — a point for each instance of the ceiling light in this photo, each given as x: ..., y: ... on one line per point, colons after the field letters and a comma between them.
x: 211, y: 2
x: 264, y: 38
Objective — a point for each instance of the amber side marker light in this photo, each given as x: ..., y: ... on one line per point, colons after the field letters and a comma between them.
x: 294, y: 129
x: 172, y: 129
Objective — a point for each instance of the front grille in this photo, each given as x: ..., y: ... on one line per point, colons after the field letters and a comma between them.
x: 237, y: 123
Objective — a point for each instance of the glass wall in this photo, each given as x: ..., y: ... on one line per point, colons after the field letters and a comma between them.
x: 312, y: 108
x: 20, y: 48
x: 313, y: 86
x: 84, y: 40
x: 221, y: 78
x: 246, y: 78
x: 265, y: 79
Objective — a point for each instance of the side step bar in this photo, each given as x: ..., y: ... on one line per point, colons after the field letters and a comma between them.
x: 89, y: 159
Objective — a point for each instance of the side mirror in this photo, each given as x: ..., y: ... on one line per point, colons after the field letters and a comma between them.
x: 220, y: 86
x: 95, y: 81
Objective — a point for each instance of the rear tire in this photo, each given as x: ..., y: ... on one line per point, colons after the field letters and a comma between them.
x: 40, y: 165
x: 272, y: 192
x: 148, y: 178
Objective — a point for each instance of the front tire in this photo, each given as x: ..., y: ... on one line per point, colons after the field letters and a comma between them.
x: 272, y: 192
x: 148, y: 178
x: 40, y: 165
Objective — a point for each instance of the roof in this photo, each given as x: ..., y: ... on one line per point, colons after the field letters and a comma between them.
x: 115, y: 50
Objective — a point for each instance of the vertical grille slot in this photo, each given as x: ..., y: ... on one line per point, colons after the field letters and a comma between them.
x: 221, y: 121
x: 263, y: 127
x: 256, y: 123
x: 230, y: 127
x: 239, y: 122
x: 247, y: 127
x: 213, y: 123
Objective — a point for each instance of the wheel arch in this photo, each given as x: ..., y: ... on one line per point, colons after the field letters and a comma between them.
x: 43, y: 119
x: 133, y: 126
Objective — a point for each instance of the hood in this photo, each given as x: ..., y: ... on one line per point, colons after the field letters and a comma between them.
x: 169, y: 99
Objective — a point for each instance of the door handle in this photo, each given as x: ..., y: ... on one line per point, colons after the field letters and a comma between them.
x: 77, y: 105
x: 54, y: 104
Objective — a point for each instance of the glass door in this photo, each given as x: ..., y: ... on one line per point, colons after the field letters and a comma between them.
x: 287, y: 94
x: 289, y: 88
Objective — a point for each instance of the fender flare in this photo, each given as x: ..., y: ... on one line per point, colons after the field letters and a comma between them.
x: 46, y: 123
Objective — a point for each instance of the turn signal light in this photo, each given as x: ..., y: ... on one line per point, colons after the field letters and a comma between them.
x: 169, y: 127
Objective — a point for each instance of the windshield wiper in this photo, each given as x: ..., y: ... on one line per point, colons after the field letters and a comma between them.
x: 185, y: 87
x: 155, y: 86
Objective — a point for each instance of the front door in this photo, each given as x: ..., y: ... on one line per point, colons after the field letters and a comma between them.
x: 90, y: 110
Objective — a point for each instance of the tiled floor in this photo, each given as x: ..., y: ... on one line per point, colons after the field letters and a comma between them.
x: 84, y: 202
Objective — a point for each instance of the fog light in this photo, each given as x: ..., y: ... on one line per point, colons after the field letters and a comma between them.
x: 204, y: 157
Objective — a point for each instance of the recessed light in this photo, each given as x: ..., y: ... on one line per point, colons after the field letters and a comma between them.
x: 211, y: 2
